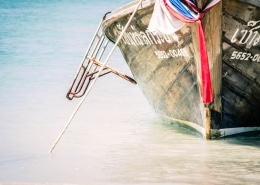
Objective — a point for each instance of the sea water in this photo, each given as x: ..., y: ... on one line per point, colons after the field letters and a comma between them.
x: 115, y: 137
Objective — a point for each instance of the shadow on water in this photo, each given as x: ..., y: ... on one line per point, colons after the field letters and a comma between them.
x: 247, y: 139
x: 22, y: 159
x: 251, y: 139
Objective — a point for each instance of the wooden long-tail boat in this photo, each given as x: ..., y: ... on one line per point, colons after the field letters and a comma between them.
x: 205, y: 74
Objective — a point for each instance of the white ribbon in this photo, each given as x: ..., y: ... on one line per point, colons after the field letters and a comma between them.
x: 162, y: 22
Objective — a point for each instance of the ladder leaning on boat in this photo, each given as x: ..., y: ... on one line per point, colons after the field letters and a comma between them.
x: 90, y: 69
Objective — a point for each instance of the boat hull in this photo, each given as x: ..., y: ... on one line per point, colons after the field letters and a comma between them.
x: 167, y: 67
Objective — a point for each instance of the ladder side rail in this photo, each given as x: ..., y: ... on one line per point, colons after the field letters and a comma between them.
x: 81, y: 82
x: 83, y: 87
x: 79, y: 78
x: 97, y: 46
x: 89, y: 65
x: 90, y: 45
x: 86, y: 53
x: 90, y: 79
x: 94, y: 53
x: 101, y: 52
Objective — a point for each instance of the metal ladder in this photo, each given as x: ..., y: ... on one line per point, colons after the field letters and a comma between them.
x: 91, y: 67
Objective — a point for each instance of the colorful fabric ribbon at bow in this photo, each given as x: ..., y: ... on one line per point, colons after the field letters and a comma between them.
x: 187, y: 11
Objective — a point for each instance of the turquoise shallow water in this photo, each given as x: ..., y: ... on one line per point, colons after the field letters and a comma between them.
x: 115, y: 137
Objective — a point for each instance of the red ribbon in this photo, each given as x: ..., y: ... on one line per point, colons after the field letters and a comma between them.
x: 205, y: 71
x: 207, y: 96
